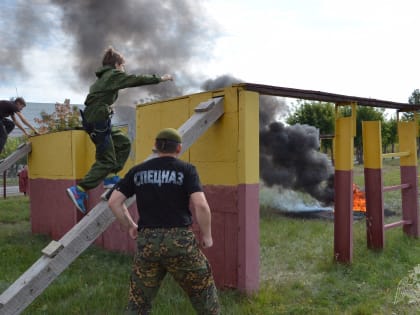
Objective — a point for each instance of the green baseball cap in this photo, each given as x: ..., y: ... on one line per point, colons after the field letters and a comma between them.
x: 170, y: 134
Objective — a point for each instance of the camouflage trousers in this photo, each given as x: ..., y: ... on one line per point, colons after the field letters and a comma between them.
x: 174, y: 251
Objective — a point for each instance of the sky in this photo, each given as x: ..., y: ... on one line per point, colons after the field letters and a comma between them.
x: 360, y: 48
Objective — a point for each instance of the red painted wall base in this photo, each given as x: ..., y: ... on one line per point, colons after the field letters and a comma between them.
x: 234, y: 256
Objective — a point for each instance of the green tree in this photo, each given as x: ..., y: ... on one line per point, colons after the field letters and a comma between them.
x: 64, y: 117
x: 317, y: 114
x: 413, y: 99
x: 322, y: 116
x: 389, y: 134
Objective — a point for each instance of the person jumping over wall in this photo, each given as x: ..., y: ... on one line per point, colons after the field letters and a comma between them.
x: 112, y: 146
x: 9, y: 109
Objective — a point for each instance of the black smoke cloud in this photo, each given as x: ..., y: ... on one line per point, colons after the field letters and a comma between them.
x: 270, y: 107
x: 289, y: 155
x: 220, y: 82
x: 156, y: 37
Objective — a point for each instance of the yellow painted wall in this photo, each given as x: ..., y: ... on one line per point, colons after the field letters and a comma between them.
x: 153, y: 117
x: 227, y: 153
x: 63, y: 155
x: 60, y: 155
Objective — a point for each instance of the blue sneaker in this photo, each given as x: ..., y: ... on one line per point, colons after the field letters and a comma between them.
x: 78, y: 197
x: 109, y: 182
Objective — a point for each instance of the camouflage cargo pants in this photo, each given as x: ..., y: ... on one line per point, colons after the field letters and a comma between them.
x: 176, y: 251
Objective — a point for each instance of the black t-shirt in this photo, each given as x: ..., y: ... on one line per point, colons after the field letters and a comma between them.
x: 7, y: 108
x: 162, y: 187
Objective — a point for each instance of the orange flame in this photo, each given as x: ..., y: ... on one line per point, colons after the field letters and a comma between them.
x: 359, y: 199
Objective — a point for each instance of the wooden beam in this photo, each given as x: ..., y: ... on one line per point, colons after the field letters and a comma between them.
x: 59, y: 255
x: 52, y: 249
x: 206, y: 113
x: 44, y: 271
x: 325, y: 97
x: 19, y: 153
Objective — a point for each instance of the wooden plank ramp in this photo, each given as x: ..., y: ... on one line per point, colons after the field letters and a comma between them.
x: 58, y: 255
x: 19, y: 153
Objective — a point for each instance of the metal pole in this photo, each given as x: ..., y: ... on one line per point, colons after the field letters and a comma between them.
x: 4, y: 184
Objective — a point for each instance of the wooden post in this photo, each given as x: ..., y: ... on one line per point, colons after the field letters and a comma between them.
x: 343, y: 185
x: 372, y: 155
x: 407, y: 132
x: 58, y: 255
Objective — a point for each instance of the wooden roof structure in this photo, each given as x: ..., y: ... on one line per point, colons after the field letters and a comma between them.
x: 327, y: 97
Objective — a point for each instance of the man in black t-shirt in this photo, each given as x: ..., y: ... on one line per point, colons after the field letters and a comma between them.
x: 165, y: 189
x: 9, y: 109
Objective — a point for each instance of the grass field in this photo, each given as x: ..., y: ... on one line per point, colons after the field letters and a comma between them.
x: 298, y: 274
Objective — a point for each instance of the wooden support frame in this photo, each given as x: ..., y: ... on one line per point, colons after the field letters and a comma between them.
x: 57, y: 256
x: 372, y: 148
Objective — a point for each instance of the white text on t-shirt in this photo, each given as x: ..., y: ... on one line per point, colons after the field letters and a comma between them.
x: 158, y: 177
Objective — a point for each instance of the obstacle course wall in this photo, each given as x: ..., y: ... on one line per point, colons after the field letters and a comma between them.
x: 226, y: 157
x: 57, y: 161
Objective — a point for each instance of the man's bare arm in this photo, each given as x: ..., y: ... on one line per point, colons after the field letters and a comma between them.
x: 118, y: 207
x: 198, y: 203
x: 26, y: 122
x: 19, y: 125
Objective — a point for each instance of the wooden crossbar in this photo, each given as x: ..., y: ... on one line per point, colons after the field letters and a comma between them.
x: 398, y: 223
x: 396, y: 187
x: 57, y: 256
x: 395, y: 154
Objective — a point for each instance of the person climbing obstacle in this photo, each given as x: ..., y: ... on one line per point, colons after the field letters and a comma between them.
x: 12, y: 109
x: 112, y: 146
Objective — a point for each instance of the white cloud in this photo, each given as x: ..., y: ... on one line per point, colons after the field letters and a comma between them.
x: 51, y: 77
x: 361, y: 48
